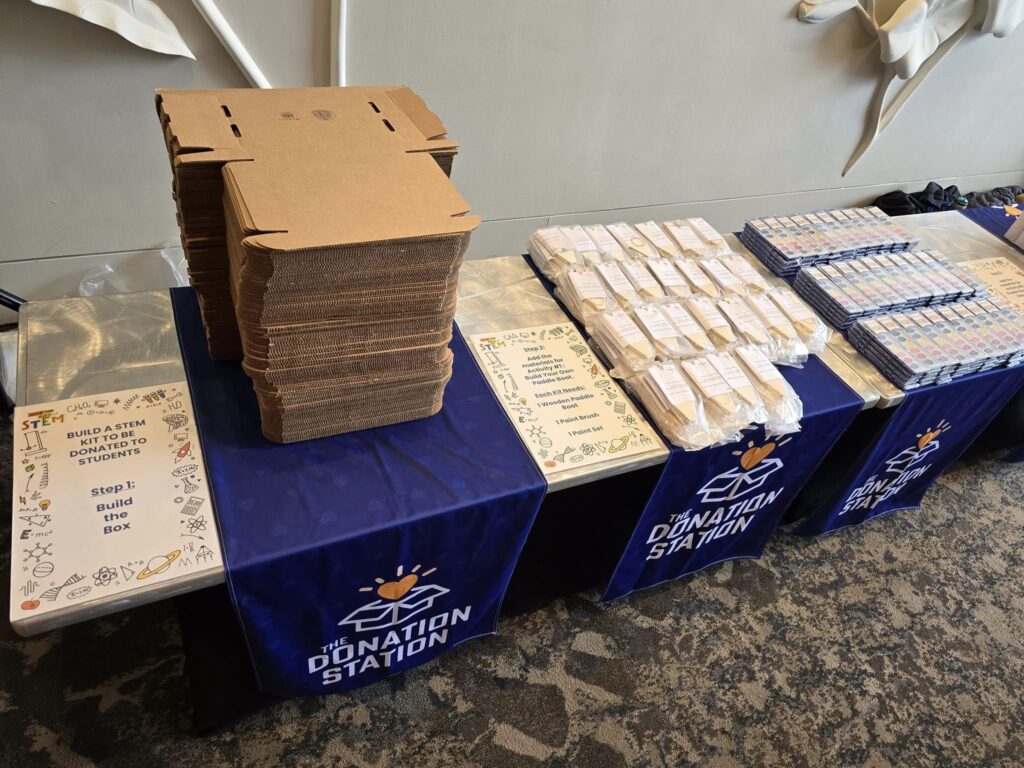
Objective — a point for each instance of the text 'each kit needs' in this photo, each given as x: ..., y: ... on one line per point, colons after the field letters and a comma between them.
x: 693, y: 329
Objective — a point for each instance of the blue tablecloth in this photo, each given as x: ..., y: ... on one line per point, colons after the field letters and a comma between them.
x: 995, y: 220
x: 925, y: 434
x: 354, y: 557
x: 724, y: 503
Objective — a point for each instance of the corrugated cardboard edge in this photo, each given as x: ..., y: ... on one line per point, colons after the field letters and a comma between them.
x: 430, y: 125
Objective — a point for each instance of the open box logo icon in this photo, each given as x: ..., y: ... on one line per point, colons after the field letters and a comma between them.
x: 927, y: 443
x: 754, y: 470
x: 400, y: 600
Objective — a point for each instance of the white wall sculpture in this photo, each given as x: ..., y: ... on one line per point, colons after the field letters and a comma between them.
x: 140, y: 22
x: 912, y: 41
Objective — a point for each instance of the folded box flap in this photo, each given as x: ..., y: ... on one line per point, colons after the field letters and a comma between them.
x: 416, y: 109
x: 334, y: 167
x: 198, y: 122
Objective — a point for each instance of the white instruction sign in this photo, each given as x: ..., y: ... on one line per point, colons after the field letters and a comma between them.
x: 1004, y: 278
x: 110, y: 496
x: 567, y: 409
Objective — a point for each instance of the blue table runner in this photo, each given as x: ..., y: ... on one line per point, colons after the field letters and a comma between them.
x: 926, y: 434
x: 725, y: 502
x: 354, y: 557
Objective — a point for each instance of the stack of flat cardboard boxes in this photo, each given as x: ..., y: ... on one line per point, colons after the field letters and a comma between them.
x: 338, y: 250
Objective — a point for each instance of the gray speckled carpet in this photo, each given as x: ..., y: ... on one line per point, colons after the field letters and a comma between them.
x: 899, y: 643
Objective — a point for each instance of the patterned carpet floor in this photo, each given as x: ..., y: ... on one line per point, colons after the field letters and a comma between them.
x: 899, y: 643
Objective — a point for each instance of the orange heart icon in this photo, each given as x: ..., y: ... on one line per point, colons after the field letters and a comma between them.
x: 754, y: 456
x: 927, y: 437
x: 396, y: 590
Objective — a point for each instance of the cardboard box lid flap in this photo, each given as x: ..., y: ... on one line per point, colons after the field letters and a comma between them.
x: 345, y: 199
x: 329, y: 166
x: 198, y: 122
x: 430, y: 125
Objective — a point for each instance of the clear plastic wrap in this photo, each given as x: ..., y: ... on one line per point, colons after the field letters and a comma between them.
x: 783, y: 404
x: 726, y: 281
x: 617, y: 283
x: 787, y: 348
x: 811, y: 328
x: 743, y: 388
x: 582, y: 291
x: 552, y: 252
x: 623, y: 344
x: 670, y: 279
x: 664, y: 336
x: 633, y: 243
x: 688, y: 241
x: 656, y: 236
x: 673, y: 405
x: 647, y: 288
x: 749, y: 329
x: 723, y: 408
x: 582, y: 244
x: 607, y: 245
x: 714, y: 243
x: 712, y: 321
x: 745, y: 271
x: 696, y: 341
x: 698, y: 278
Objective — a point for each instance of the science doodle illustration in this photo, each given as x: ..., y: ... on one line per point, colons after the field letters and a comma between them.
x: 110, y: 496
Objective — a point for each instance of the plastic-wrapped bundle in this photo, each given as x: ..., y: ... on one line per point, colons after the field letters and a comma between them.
x: 674, y: 406
x: 787, y: 347
x: 582, y: 244
x: 811, y: 328
x: 726, y: 281
x: 723, y: 408
x: 748, y: 328
x: 635, y: 244
x: 783, y: 404
x: 582, y: 291
x: 552, y: 251
x: 664, y: 336
x: 698, y: 278
x: 670, y: 279
x: 617, y: 283
x: 750, y: 277
x: 656, y: 236
x: 713, y: 240
x: 640, y: 276
x: 623, y: 344
x: 712, y: 321
x: 607, y: 245
x: 745, y: 391
x: 688, y: 240
x: 696, y: 341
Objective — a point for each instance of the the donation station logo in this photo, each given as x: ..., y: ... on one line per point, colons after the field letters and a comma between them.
x: 389, y: 629
x: 729, y: 502
x: 905, y: 466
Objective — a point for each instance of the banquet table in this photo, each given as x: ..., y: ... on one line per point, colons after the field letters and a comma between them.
x: 91, y: 346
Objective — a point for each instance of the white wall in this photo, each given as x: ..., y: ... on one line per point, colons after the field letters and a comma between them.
x: 84, y: 177
x: 588, y: 110
x: 595, y: 109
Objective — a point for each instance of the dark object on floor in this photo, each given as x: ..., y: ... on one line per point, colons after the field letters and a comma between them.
x: 998, y: 196
x: 935, y: 198
x: 931, y: 198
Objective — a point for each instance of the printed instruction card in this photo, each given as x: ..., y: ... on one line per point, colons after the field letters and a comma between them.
x: 561, y: 399
x: 110, y: 497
